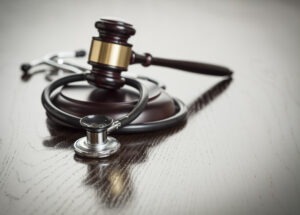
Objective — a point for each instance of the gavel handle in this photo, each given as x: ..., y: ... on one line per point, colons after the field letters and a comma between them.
x: 194, y: 67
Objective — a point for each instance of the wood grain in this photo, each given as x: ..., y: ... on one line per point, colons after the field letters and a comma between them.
x: 239, y: 152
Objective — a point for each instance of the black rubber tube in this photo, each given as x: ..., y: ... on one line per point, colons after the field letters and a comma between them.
x: 74, y: 120
x: 140, y: 106
x: 179, y: 116
x: 69, y: 120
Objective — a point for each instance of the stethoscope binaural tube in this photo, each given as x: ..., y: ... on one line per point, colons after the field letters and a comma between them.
x: 74, y: 121
x: 97, y: 143
x: 69, y: 120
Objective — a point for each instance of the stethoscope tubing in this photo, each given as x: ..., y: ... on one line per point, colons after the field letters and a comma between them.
x: 69, y: 120
x: 74, y: 121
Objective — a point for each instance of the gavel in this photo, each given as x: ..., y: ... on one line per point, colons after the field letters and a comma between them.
x: 110, y: 55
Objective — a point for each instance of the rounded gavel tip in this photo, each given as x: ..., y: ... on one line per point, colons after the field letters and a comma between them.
x: 25, y: 67
x: 115, y: 25
x: 80, y: 53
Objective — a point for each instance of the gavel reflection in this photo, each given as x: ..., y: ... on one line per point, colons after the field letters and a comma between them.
x: 110, y: 54
x: 112, y: 182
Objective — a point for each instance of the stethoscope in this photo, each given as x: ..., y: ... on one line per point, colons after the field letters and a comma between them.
x: 110, y: 54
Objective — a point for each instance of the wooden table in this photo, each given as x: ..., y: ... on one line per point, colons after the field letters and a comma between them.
x: 239, y: 152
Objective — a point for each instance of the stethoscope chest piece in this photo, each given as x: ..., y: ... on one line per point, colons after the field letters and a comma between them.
x: 96, y: 144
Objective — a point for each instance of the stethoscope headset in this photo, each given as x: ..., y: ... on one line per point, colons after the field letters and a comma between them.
x: 110, y: 54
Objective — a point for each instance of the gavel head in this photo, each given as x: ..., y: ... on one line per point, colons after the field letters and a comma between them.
x: 110, y: 53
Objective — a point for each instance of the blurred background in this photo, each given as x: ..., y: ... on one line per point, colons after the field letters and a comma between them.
x: 245, y: 148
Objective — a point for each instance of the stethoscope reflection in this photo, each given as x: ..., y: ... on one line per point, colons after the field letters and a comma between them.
x: 111, y: 178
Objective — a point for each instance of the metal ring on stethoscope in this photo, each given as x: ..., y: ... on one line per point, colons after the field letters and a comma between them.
x: 73, y: 121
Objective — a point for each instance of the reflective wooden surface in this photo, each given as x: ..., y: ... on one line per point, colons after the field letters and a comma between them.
x: 239, y: 152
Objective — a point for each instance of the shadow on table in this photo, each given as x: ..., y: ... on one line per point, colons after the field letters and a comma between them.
x: 111, y: 177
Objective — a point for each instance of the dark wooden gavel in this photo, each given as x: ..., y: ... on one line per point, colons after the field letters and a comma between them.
x: 110, y: 54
